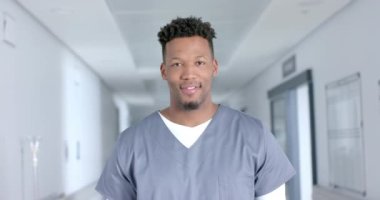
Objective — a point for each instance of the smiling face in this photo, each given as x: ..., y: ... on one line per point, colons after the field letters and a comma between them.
x: 189, y: 68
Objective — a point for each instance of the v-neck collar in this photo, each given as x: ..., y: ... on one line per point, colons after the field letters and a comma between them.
x: 172, y: 146
x: 185, y: 134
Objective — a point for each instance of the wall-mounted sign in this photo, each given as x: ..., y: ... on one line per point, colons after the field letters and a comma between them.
x: 289, y: 66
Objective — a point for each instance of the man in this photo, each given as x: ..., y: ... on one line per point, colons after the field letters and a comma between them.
x: 194, y: 149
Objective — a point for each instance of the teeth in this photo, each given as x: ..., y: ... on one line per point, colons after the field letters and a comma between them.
x: 188, y: 87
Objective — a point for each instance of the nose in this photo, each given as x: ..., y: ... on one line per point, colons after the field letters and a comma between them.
x: 188, y: 72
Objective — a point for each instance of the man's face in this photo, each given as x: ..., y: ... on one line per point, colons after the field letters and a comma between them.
x: 189, y: 68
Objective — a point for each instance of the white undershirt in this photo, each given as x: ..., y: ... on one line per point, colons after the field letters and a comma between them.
x: 189, y: 135
x: 277, y: 194
x: 186, y: 135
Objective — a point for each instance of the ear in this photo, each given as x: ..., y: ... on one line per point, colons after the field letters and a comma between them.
x: 163, y: 71
x: 215, y: 66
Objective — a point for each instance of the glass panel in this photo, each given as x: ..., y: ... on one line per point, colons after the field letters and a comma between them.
x: 345, y: 135
x: 279, y: 121
x: 279, y: 128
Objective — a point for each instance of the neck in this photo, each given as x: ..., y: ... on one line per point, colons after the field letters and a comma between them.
x: 190, y: 117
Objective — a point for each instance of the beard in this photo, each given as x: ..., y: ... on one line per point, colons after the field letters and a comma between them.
x: 189, y: 106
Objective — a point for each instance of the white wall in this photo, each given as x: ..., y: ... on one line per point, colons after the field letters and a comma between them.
x: 304, y: 142
x: 124, y: 113
x: 347, y: 44
x: 47, y: 91
x: 90, y: 120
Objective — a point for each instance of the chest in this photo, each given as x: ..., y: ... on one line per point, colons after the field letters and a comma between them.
x: 218, y: 166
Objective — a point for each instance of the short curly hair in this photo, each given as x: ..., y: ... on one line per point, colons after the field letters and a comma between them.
x: 186, y: 27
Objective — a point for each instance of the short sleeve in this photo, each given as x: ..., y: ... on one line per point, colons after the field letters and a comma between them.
x: 274, y: 167
x: 114, y: 183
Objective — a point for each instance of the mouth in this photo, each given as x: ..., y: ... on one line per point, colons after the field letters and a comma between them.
x: 190, y: 89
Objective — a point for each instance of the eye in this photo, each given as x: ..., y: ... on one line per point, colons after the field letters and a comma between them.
x: 200, y: 63
x: 175, y: 64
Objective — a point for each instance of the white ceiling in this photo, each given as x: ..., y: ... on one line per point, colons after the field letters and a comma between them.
x: 118, y: 38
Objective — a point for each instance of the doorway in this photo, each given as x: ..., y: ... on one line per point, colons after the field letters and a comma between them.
x: 292, y: 124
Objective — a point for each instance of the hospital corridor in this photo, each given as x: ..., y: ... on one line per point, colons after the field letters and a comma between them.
x: 74, y: 74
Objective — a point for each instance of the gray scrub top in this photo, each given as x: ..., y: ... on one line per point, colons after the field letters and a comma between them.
x: 234, y: 159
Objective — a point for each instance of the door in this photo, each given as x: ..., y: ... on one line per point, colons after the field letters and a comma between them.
x: 292, y: 125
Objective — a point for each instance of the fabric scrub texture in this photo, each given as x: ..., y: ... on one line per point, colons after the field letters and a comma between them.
x: 235, y: 158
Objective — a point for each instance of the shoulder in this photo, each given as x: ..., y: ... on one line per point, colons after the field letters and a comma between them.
x: 145, y: 123
x: 250, y: 128
x: 135, y: 133
x: 243, y: 120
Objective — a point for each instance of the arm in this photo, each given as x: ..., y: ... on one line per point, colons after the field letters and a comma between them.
x: 115, y: 182
x: 274, y: 167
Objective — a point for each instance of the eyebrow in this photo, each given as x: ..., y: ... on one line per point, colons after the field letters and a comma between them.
x: 201, y: 57
x: 174, y: 58
x: 177, y: 58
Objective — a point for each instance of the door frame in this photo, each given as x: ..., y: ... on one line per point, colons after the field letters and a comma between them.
x: 304, y: 77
